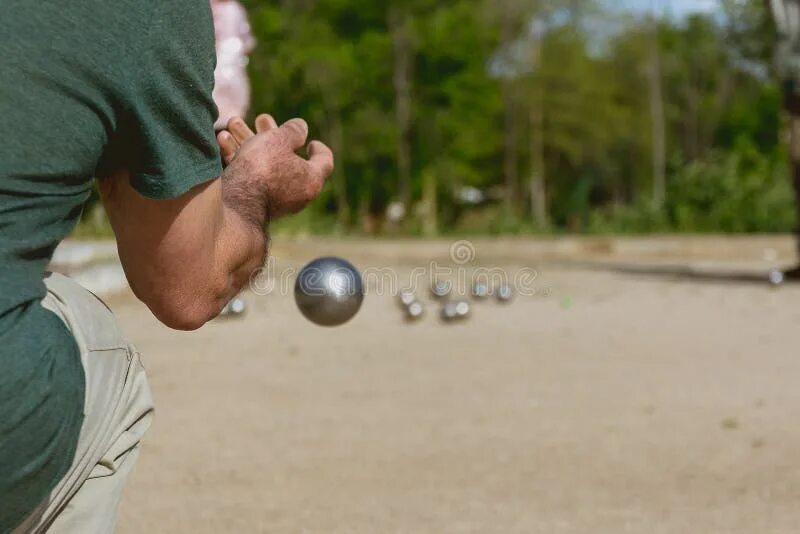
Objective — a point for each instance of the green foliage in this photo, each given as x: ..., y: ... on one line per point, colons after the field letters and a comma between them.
x: 740, y: 191
x: 504, y: 92
x: 640, y: 217
x: 731, y: 192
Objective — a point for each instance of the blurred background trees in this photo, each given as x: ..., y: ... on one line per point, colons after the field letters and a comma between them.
x: 529, y: 115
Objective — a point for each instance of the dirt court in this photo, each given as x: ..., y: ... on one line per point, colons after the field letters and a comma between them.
x: 608, y: 403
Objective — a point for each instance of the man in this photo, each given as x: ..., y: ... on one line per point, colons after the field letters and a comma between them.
x: 120, y: 90
x: 787, y: 21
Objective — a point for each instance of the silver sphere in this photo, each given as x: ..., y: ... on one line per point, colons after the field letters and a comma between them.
x: 456, y: 310
x: 481, y: 291
x: 406, y: 298
x: 440, y: 289
x: 234, y: 308
x: 237, y: 306
x: 463, y: 309
x: 329, y: 291
x: 415, y: 311
x: 505, y: 294
x: 449, y: 312
x: 776, y: 277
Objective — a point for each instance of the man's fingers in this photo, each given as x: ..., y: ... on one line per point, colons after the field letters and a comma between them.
x: 239, y: 129
x: 320, y: 158
x: 265, y: 123
x: 296, y: 133
x: 227, y: 146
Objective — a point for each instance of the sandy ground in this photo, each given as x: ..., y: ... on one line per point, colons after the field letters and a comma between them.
x: 608, y: 403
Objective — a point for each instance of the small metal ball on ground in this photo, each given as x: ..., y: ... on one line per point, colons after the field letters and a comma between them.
x: 456, y: 310
x: 505, y: 294
x: 235, y: 308
x: 481, y: 291
x: 440, y: 289
x: 406, y: 298
x: 414, y: 311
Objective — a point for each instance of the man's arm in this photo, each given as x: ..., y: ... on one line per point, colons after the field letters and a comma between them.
x: 185, y: 258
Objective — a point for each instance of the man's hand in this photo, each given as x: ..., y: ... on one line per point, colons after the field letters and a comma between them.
x: 187, y: 257
x: 266, y: 161
x: 237, y: 133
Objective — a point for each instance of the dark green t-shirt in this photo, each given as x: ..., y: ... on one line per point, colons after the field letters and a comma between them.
x: 85, y: 88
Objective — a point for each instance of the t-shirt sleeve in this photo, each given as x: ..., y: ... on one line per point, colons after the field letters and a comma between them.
x: 169, y: 128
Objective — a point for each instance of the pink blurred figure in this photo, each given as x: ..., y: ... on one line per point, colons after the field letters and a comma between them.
x: 234, y: 43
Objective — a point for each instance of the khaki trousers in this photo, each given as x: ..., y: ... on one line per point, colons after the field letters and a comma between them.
x: 117, y: 412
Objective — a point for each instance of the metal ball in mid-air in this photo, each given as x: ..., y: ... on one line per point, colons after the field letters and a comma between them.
x: 776, y: 277
x: 329, y: 291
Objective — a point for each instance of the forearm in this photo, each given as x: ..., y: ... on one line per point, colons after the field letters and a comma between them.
x: 242, y: 242
x: 184, y: 258
x: 225, y: 254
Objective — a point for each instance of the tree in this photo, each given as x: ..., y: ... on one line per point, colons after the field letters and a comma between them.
x: 558, y: 109
x: 657, y: 119
x: 400, y: 28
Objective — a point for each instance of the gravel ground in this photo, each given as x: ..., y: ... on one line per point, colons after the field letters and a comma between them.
x: 606, y: 403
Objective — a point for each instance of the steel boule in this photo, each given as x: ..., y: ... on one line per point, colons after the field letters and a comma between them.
x: 505, y: 294
x: 463, y: 309
x: 456, y: 310
x: 406, y: 298
x: 329, y: 291
x: 449, y: 313
x: 414, y: 311
x: 481, y: 291
x: 234, y: 308
x: 776, y: 277
x: 441, y: 289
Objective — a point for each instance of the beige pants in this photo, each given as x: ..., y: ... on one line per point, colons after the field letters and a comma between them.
x: 117, y: 412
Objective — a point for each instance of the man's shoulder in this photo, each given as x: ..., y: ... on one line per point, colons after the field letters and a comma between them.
x: 133, y: 20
